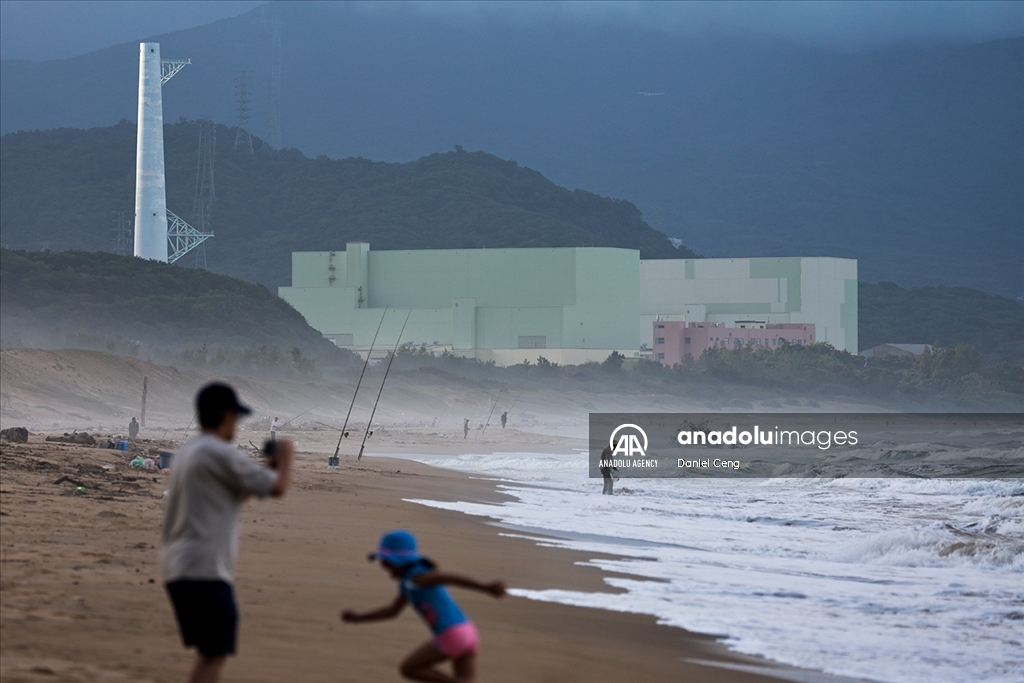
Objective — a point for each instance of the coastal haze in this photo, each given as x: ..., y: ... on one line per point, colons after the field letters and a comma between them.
x: 884, y: 137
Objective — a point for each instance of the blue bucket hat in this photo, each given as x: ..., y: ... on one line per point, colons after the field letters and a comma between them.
x: 397, y: 548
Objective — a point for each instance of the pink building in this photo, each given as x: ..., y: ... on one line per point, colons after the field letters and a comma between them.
x: 675, y: 339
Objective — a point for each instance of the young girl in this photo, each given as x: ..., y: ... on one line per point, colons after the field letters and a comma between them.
x: 419, y: 583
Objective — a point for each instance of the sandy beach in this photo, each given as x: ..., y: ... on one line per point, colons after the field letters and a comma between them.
x: 82, y: 600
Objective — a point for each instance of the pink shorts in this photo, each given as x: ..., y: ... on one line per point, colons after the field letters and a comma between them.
x: 456, y: 641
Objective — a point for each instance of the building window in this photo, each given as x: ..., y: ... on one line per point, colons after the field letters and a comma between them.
x: 757, y: 341
x: 725, y: 341
x: 739, y: 342
x: 661, y: 356
x: 660, y: 327
x: 686, y: 340
x: 659, y: 340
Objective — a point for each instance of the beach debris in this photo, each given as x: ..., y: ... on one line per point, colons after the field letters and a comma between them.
x: 80, y: 438
x: 14, y: 435
x: 74, y: 482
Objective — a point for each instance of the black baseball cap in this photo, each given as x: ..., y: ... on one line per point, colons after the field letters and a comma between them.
x: 216, y: 400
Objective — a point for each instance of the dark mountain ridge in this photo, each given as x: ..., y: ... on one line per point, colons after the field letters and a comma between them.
x: 61, y: 189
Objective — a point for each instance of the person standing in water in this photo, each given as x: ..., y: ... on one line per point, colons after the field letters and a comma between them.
x: 465, y: 428
x: 423, y: 586
x: 273, y: 430
x: 606, y: 472
x: 504, y: 419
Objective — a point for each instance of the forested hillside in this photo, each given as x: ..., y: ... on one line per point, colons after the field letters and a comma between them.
x: 947, y: 316
x: 134, y: 307
x: 62, y: 188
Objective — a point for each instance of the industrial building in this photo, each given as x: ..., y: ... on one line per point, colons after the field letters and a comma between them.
x: 818, y: 290
x: 569, y: 305
x: 675, y: 340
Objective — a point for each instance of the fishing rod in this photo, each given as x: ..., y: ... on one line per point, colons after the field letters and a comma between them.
x: 301, y: 414
x: 391, y: 360
x: 194, y: 416
x: 442, y: 412
x: 476, y: 409
x: 493, y: 406
x: 509, y: 409
x: 333, y: 461
x: 515, y: 402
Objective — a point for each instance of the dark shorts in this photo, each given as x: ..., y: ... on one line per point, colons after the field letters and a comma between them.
x: 207, y: 615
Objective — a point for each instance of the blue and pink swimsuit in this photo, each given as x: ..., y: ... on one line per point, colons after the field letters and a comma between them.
x: 454, y: 634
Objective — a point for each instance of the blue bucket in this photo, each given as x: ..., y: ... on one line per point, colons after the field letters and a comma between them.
x: 122, y: 445
x: 165, y: 460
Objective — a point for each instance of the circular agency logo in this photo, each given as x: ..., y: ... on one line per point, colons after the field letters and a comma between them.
x: 628, y: 442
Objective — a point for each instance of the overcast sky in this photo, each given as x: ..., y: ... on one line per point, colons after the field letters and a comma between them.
x: 56, y: 29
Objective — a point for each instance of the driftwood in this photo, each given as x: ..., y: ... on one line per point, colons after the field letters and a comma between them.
x: 80, y: 438
x: 70, y: 481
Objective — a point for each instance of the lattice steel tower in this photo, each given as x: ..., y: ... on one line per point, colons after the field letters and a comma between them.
x: 243, y: 137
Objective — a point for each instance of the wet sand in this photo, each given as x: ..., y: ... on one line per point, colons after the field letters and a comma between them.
x: 81, y: 597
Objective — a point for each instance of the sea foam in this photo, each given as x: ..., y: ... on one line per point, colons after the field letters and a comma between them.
x: 884, y: 579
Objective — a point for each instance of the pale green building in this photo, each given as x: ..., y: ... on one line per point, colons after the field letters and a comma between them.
x: 818, y: 290
x: 570, y: 305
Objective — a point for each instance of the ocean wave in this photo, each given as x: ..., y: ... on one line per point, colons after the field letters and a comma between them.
x: 917, y: 578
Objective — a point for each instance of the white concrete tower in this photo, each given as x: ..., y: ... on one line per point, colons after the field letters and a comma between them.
x: 150, y: 193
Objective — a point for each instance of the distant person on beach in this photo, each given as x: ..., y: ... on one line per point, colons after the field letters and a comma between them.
x: 273, y: 430
x: 133, y: 428
x: 422, y: 586
x: 465, y: 428
x: 504, y: 419
x: 606, y: 472
x: 209, y: 482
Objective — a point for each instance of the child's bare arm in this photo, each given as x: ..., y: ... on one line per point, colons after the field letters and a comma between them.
x: 495, y: 588
x: 387, y: 612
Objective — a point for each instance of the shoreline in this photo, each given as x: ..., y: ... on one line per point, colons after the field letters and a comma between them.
x: 82, y: 598
x: 719, y: 657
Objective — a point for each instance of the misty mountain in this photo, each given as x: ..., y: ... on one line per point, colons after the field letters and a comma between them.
x: 909, y: 159
x: 62, y: 188
x: 144, y: 308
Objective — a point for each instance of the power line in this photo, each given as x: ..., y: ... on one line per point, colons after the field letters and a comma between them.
x: 243, y: 138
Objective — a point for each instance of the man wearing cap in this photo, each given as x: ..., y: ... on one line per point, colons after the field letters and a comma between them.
x: 209, y: 482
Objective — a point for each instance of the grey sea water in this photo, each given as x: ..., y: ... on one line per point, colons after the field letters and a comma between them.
x: 910, y: 580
